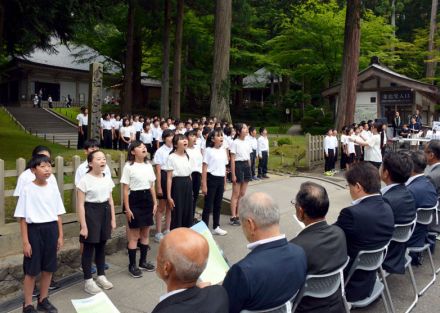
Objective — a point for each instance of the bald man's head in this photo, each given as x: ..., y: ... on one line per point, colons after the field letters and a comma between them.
x: 182, y: 257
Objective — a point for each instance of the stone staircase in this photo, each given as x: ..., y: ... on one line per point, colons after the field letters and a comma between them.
x: 46, y: 124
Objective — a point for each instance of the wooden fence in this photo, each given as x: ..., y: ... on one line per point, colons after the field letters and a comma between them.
x: 314, y: 150
x: 60, y: 170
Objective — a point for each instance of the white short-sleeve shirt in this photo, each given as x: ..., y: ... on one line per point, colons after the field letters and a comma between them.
x: 147, y: 138
x: 96, y: 189
x: 195, y: 158
x: 161, y: 157
x: 372, y: 151
x: 82, y: 169
x: 138, y: 176
x: 27, y: 177
x: 83, y: 120
x: 252, y: 141
x: 242, y: 150
x: 106, y: 124
x: 179, y: 164
x: 126, y: 131
x: 39, y: 204
x: 216, y: 160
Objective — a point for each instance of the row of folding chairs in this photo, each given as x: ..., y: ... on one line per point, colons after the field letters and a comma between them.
x: 322, y: 286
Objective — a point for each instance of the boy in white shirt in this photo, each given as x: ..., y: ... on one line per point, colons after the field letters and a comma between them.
x: 263, y: 153
x: 329, y: 153
x: 39, y: 208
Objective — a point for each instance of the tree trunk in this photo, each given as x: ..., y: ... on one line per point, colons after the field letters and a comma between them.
x: 220, y: 73
x: 127, y: 90
x: 165, y: 90
x: 393, y: 15
x: 138, y: 99
x: 431, y: 65
x: 238, y: 102
x: 2, y: 24
x: 177, y: 66
x: 285, y: 84
x: 350, y: 65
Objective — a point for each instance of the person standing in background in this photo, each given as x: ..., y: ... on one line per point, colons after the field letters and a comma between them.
x: 397, y: 124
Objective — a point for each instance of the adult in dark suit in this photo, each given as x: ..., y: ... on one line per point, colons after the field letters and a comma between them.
x: 273, y: 272
x: 181, y: 259
x: 395, y: 170
x: 425, y: 196
x: 324, y: 245
x: 397, y: 124
x: 432, y: 154
x: 368, y: 224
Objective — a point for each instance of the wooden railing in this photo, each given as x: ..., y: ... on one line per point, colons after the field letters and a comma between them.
x: 314, y: 150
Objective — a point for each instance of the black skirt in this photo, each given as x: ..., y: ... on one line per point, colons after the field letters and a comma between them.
x: 141, y: 204
x: 98, y: 220
x: 242, y: 171
x: 181, y: 192
x: 163, y: 185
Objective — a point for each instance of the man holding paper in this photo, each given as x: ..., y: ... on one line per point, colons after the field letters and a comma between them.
x: 181, y: 259
x: 273, y: 272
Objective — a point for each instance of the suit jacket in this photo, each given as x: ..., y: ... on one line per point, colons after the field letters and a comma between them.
x: 434, y: 175
x: 397, y: 122
x: 368, y: 225
x: 212, y: 299
x: 404, y: 209
x: 267, y: 277
x: 326, y: 251
x: 425, y: 196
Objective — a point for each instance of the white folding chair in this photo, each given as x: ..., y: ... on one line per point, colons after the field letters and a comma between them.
x: 370, y: 261
x: 436, y: 231
x: 323, y: 286
x: 283, y: 308
x: 402, y: 233
x: 424, y: 217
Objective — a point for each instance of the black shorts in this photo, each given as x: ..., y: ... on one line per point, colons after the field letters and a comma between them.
x: 141, y: 204
x: 98, y: 220
x: 350, y: 158
x: 43, y: 238
x: 163, y: 184
x: 242, y: 171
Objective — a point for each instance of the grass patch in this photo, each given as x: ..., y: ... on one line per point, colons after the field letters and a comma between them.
x: 288, y: 156
x: 69, y: 113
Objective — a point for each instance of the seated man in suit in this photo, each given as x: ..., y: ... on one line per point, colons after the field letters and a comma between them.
x: 324, y: 245
x: 425, y: 196
x: 395, y: 170
x: 274, y: 271
x: 432, y: 154
x: 181, y: 258
x: 368, y: 225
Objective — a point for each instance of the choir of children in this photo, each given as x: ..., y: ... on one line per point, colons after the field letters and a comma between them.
x: 167, y: 164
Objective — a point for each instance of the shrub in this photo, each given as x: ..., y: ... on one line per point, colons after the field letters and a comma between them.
x: 284, y: 141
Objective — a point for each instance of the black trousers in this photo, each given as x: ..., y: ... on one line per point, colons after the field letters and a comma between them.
x: 196, y: 178
x: 262, y: 163
x: 107, y: 140
x: 253, y: 159
x: 330, y: 160
x: 86, y: 258
x: 116, y: 140
x: 213, y: 199
x: 82, y: 137
x: 343, y: 163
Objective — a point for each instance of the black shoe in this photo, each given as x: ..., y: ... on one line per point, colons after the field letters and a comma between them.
x: 46, y: 306
x: 147, y: 266
x: 134, y: 271
x: 35, y: 293
x: 232, y: 220
x: 29, y: 309
x: 265, y: 176
x: 237, y: 221
x: 54, y: 285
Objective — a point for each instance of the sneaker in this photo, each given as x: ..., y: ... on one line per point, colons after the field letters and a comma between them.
x: 158, y: 237
x: 134, y: 271
x: 53, y: 285
x: 166, y: 232
x: 106, y: 266
x: 35, y: 293
x: 147, y: 266
x: 265, y: 176
x: 219, y: 231
x: 102, y: 282
x: 46, y: 306
x: 232, y: 220
x: 91, y: 287
x: 29, y: 309
x: 237, y: 221
x: 255, y: 178
x: 93, y: 269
